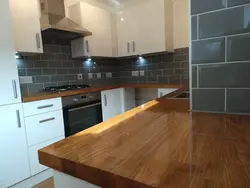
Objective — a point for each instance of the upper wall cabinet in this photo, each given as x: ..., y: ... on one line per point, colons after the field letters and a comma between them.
x: 145, y: 27
x: 99, y: 22
x: 9, y: 82
x: 26, y: 26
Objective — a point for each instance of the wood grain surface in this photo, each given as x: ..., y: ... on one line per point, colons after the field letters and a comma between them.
x: 159, y: 144
x: 49, y: 95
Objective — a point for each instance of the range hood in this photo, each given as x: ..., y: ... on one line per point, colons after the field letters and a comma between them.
x: 54, y: 21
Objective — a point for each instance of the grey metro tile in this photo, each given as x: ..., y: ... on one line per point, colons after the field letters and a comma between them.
x: 194, y: 27
x: 208, y: 100
x: 238, y: 48
x: 200, y: 6
x: 229, y: 75
x: 208, y: 51
x: 194, y: 76
x: 226, y: 22
x: 231, y: 3
x: 238, y: 100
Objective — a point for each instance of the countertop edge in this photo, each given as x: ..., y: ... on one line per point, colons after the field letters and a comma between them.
x: 44, y: 96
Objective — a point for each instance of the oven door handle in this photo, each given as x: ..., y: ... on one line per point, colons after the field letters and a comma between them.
x: 83, y: 107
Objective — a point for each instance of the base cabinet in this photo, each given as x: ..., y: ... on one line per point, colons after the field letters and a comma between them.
x: 35, y: 166
x: 117, y: 101
x: 14, y: 161
x: 44, y: 126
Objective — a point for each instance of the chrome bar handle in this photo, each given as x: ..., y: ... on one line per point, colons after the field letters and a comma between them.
x: 133, y: 46
x: 87, y: 46
x: 38, y: 43
x: 14, y: 88
x: 45, y: 106
x: 105, y: 100
x: 46, y: 120
x: 18, y: 119
x: 128, y: 47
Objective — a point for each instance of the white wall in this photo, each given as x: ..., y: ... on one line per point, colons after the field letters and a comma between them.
x: 96, y: 3
x: 181, y: 31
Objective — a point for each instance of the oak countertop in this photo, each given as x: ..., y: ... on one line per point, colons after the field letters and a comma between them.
x: 159, y: 144
x: 45, y: 95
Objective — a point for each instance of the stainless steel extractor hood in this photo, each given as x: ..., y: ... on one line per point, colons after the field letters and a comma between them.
x: 54, y: 21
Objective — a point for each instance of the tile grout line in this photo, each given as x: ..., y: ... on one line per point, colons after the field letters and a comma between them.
x: 225, y: 99
x: 246, y: 88
x: 219, y: 37
x: 219, y: 63
x: 197, y: 27
x: 198, y: 76
x: 226, y: 49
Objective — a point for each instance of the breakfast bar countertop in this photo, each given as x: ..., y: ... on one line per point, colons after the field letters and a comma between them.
x: 49, y: 95
x: 159, y: 144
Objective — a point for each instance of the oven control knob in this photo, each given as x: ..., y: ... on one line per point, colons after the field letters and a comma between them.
x: 75, y: 100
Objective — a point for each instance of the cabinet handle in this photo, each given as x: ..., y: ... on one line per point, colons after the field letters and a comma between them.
x: 45, y: 106
x: 128, y: 47
x: 133, y: 43
x: 87, y: 46
x: 46, y: 120
x: 18, y: 119
x: 105, y: 100
x: 14, y: 88
x: 38, y: 44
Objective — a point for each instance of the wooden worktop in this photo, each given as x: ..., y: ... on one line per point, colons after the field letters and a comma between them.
x: 159, y: 144
x: 49, y: 95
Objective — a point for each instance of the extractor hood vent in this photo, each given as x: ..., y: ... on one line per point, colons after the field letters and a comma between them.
x: 53, y: 19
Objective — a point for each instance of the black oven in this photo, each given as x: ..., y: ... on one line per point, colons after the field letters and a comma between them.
x: 81, y: 112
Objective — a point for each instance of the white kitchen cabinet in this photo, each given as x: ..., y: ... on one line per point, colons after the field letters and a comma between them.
x: 25, y: 16
x: 14, y: 152
x: 9, y: 82
x: 145, y: 27
x: 111, y: 103
x: 165, y: 91
x: 43, y: 127
x: 117, y: 101
x: 35, y: 166
x: 99, y: 22
x: 42, y: 106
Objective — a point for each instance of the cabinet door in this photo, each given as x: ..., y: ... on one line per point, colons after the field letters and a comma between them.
x: 35, y: 166
x: 25, y: 16
x: 144, y: 26
x: 151, y: 25
x: 9, y: 82
x: 127, y: 27
x: 98, y: 21
x: 111, y: 103
x: 14, y: 153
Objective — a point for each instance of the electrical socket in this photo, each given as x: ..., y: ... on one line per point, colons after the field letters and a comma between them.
x: 142, y: 73
x: 26, y: 80
x: 108, y: 75
x: 98, y: 75
x: 135, y: 73
x: 90, y: 75
x: 79, y: 76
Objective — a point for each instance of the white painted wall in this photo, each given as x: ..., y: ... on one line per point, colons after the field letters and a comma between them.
x: 181, y: 31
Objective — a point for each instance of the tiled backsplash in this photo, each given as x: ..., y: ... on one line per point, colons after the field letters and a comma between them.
x: 56, y: 67
x: 220, y: 55
x: 169, y: 68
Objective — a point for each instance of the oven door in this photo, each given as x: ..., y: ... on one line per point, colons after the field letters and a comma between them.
x: 80, y: 117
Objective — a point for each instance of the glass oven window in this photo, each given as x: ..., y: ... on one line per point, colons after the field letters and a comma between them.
x: 81, y: 118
